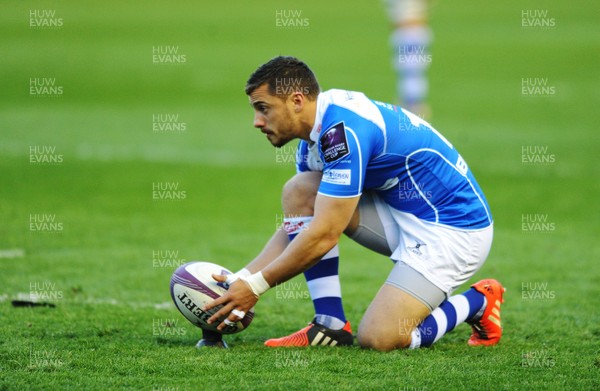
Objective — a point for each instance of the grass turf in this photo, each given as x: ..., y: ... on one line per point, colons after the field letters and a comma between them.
x: 114, y: 327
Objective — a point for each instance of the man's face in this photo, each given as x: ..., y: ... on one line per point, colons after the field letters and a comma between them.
x: 274, y: 117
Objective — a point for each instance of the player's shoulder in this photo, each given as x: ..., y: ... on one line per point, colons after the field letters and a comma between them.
x: 350, y: 107
x: 351, y: 100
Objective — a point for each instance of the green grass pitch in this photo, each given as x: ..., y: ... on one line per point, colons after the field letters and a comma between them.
x: 83, y: 108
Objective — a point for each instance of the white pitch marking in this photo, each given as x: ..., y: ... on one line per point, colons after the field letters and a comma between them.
x: 11, y: 253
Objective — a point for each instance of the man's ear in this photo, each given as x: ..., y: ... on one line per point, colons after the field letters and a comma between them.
x: 298, y: 99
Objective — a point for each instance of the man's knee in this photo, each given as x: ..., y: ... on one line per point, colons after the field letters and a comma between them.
x: 390, y: 320
x: 371, y: 339
x: 299, y: 193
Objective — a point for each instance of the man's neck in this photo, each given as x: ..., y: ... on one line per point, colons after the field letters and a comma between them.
x: 308, y: 119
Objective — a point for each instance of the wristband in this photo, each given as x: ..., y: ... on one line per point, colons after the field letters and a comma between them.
x: 257, y: 283
x: 231, y: 278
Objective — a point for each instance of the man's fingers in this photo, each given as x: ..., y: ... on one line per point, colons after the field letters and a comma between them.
x: 215, y: 303
x: 222, y: 313
x: 239, y: 313
x: 227, y: 322
x: 235, y: 303
x: 219, y: 277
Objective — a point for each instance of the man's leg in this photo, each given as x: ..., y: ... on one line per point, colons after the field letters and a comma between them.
x: 330, y: 326
x: 450, y: 257
x: 396, y: 319
x: 397, y: 310
x: 400, y: 316
x: 479, y: 306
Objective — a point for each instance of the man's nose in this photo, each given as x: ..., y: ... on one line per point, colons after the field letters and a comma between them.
x: 259, y: 120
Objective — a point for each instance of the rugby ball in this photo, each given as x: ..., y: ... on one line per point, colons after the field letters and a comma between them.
x: 192, y: 286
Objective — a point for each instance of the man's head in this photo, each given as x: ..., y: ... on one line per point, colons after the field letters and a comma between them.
x: 283, y: 93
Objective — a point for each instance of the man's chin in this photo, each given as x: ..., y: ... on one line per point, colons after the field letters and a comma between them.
x: 276, y: 141
x: 279, y: 143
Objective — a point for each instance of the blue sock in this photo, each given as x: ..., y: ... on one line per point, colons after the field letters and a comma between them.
x: 452, y: 312
x: 324, y: 287
x: 322, y: 280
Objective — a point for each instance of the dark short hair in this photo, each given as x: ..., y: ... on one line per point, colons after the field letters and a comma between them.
x: 284, y: 75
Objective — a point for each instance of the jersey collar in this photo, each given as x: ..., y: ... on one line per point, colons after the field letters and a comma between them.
x: 316, y: 130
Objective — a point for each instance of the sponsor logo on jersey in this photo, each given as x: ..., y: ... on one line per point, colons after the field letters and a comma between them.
x: 334, y: 144
x: 337, y: 177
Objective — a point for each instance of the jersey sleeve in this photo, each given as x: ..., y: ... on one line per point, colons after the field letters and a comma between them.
x: 346, y: 147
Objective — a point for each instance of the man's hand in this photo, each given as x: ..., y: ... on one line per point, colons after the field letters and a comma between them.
x: 238, y: 300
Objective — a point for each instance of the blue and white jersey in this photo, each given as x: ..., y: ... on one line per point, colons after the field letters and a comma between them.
x: 360, y: 144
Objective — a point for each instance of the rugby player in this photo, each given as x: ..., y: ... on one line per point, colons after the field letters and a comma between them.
x: 392, y: 183
x: 411, y: 40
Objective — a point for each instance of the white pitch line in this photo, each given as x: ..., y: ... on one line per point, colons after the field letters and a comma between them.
x: 12, y: 253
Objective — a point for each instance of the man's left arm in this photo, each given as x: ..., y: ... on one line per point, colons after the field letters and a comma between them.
x: 331, y: 218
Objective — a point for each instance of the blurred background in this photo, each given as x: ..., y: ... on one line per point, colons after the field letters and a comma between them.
x: 127, y: 147
x: 101, y: 103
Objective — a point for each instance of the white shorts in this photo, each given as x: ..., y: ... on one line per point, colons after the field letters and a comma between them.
x: 447, y: 257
